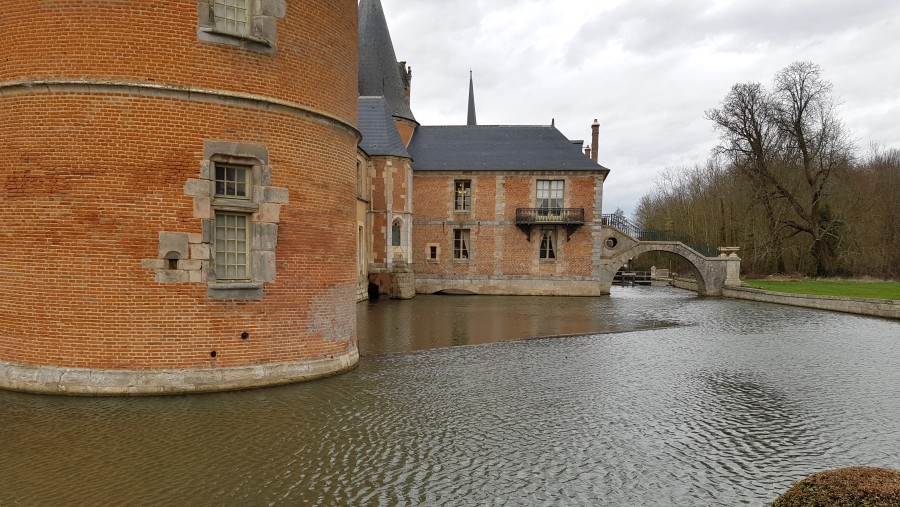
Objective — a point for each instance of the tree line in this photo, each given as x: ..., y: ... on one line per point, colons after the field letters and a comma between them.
x: 787, y: 185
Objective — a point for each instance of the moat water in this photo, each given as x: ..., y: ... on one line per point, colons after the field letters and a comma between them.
x: 669, y: 399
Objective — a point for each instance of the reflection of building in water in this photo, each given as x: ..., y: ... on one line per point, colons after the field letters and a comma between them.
x: 479, y: 209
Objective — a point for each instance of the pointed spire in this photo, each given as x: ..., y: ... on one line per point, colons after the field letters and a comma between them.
x: 471, y: 120
x: 380, y: 73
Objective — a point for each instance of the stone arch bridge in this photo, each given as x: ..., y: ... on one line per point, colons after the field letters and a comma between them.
x: 623, y: 241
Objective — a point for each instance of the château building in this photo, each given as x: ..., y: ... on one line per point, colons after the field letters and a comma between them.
x: 484, y: 209
x: 186, y: 185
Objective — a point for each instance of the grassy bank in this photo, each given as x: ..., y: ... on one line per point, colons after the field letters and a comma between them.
x: 844, y: 288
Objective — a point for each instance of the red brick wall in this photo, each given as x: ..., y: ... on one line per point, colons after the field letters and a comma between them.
x: 499, y: 248
x: 89, y: 180
x: 156, y: 42
x: 390, y: 192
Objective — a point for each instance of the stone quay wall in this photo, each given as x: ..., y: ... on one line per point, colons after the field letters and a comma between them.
x: 861, y: 306
x: 113, y: 118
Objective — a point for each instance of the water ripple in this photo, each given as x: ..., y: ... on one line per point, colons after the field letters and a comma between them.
x: 728, y: 407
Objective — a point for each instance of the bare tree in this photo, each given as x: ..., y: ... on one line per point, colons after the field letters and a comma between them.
x: 790, y: 143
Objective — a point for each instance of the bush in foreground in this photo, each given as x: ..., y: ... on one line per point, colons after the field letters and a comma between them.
x: 846, y: 487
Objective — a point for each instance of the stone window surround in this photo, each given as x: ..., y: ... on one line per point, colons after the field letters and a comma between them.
x: 194, y: 252
x: 261, y: 27
x: 437, y: 250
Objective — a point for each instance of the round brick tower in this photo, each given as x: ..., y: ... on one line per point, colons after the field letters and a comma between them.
x: 178, y: 183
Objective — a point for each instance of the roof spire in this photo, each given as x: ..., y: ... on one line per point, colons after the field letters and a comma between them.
x: 471, y: 120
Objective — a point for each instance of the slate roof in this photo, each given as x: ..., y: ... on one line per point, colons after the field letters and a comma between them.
x: 496, y: 148
x: 380, y: 136
x: 379, y: 71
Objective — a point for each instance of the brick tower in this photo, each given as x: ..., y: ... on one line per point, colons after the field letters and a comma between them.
x: 178, y: 194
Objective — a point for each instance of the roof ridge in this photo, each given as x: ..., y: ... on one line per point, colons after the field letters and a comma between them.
x: 486, y: 126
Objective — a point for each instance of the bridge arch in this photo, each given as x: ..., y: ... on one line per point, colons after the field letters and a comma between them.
x: 712, y: 273
x: 624, y: 241
x: 699, y: 265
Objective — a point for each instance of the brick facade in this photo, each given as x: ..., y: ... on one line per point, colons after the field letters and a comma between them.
x: 392, y: 203
x: 502, y: 259
x: 104, y: 126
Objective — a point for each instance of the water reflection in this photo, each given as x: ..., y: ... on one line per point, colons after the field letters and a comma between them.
x: 429, y: 322
x: 712, y: 410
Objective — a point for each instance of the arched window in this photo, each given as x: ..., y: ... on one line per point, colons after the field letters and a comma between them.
x: 395, y: 232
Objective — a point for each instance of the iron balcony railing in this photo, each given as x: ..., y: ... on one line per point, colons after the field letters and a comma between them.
x: 622, y: 223
x: 566, y: 216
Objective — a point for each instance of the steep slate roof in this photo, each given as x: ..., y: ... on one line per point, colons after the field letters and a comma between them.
x: 380, y: 136
x: 379, y: 71
x: 497, y: 148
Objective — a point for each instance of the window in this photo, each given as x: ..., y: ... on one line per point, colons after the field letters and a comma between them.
x: 432, y: 252
x: 247, y: 24
x: 461, y: 244
x: 396, y: 230
x: 232, y: 246
x: 462, y: 200
x: 233, y: 181
x: 548, y: 245
x: 549, y: 196
x: 231, y: 16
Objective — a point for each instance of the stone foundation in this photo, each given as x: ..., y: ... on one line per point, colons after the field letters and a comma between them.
x: 510, y: 286
x: 97, y: 382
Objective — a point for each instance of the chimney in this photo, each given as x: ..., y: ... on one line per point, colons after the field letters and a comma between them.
x: 595, y: 139
x: 587, y: 152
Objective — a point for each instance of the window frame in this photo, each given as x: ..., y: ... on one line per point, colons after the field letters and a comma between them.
x: 550, y: 252
x: 435, y: 249
x: 242, y: 169
x: 462, y: 244
x: 462, y: 196
x: 247, y: 5
x: 397, y: 233
x: 553, y: 198
x: 259, y: 34
x: 246, y: 265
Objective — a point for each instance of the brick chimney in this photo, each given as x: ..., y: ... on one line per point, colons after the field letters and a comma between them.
x: 595, y: 139
x: 587, y: 152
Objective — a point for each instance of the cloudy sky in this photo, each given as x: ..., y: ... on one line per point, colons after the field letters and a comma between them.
x: 647, y: 69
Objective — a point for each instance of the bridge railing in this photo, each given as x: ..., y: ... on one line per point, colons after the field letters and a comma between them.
x: 624, y: 225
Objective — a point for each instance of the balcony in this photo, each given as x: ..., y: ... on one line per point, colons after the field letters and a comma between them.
x: 572, y: 218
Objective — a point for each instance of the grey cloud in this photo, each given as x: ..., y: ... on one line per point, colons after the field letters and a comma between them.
x: 646, y: 69
x: 655, y: 26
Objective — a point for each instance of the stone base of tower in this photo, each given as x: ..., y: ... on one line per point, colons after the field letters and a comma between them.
x: 97, y: 382
x: 398, y: 283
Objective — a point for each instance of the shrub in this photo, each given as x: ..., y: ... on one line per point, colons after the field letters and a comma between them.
x: 846, y: 487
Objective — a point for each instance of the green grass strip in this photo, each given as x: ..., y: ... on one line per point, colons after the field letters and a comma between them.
x: 852, y: 289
